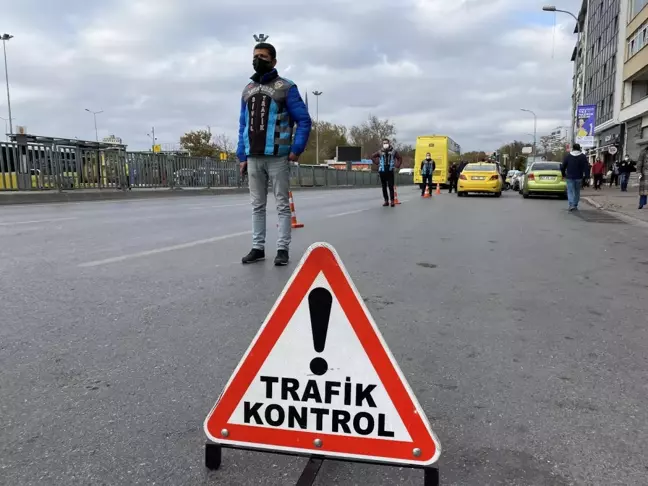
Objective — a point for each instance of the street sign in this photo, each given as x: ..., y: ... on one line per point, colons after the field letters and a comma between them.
x: 319, y: 379
x: 157, y: 148
x: 223, y: 156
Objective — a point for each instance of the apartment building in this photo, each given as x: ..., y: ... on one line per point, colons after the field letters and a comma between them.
x: 603, y: 74
x: 634, y: 110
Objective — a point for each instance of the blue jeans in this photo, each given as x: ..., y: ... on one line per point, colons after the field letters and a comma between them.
x: 625, y: 178
x: 260, y: 171
x: 573, y: 192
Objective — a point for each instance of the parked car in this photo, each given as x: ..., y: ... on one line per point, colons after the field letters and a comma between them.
x: 544, y: 178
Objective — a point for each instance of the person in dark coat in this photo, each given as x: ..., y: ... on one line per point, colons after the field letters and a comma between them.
x: 428, y: 166
x: 453, y: 176
x: 573, y: 168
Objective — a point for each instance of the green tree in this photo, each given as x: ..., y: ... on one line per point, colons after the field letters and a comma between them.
x: 199, y: 144
x: 474, y: 156
x: 407, y: 151
x: 330, y: 137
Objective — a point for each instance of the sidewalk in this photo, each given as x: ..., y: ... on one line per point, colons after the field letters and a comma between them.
x: 612, y: 199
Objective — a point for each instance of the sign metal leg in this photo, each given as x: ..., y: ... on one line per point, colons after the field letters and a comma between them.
x: 431, y: 477
x: 309, y: 473
x: 213, y: 456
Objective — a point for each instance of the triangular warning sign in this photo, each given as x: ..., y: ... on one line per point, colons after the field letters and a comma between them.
x: 319, y: 379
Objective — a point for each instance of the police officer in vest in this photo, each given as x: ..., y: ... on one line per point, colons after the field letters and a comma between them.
x: 274, y: 127
x: 427, y: 170
x: 387, y: 159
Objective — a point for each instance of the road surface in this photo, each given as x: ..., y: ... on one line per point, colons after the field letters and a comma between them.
x: 521, y: 328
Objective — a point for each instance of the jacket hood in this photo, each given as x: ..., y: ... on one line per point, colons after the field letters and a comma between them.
x: 576, y: 153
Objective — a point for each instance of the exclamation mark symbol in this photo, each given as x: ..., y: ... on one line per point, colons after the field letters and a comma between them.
x: 319, y: 304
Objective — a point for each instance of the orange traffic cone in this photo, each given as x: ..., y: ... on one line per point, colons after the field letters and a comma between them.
x: 426, y: 194
x: 293, y: 213
x: 396, y: 201
x: 438, y: 189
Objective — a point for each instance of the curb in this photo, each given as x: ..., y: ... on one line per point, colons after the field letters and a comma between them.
x: 17, y: 198
x: 592, y: 202
x: 623, y: 216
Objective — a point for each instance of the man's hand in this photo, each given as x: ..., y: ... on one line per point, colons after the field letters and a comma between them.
x: 243, y: 168
x: 293, y: 157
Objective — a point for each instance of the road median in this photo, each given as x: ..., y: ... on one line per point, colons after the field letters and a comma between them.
x: 42, y: 197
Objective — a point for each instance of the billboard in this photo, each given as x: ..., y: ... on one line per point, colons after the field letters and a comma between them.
x: 585, y: 125
x: 349, y: 154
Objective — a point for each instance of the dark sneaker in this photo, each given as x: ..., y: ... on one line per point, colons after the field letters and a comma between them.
x: 281, y: 259
x: 385, y: 204
x: 392, y: 204
x: 254, y: 256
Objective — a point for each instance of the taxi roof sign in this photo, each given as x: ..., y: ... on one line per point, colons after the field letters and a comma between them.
x: 318, y: 378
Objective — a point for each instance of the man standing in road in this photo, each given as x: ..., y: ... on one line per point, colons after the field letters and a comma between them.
x: 573, y: 169
x: 427, y: 170
x: 453, y: 177
x: 271, y: 106
x: 387, y: 159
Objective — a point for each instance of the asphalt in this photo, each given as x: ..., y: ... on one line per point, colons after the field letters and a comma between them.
x: 521, y: 328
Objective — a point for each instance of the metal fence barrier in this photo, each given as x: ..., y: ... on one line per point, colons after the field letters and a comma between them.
x: 39, y: 167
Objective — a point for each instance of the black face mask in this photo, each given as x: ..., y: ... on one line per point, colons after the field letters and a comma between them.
x: 261, y: 66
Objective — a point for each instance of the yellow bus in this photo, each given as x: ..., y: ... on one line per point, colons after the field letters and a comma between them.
x: 444, y: 152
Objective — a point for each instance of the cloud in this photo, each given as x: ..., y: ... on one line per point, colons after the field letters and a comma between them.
x: 461, y: 67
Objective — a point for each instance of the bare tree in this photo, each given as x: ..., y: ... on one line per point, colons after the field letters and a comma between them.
x: 369, y: 134
x: 224, y: 144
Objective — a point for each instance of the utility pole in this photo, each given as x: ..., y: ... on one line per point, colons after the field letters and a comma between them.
x: 5, y: 38
x: 317, y: 95
x: 95, y: 113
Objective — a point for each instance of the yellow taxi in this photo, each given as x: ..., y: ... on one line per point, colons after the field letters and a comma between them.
x: 480, y: 177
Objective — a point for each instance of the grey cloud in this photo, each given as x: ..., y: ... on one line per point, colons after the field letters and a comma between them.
x: 182, y: 65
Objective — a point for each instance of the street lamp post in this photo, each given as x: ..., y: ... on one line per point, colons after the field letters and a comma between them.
x: 95, y: 113
x: 552, y: 8
x: 5, y: 38
x: 153, y: 139
x: 317, y: 95
x: 535, y: 130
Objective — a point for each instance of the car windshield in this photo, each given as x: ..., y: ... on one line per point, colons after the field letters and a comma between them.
x: 546, y: 166
x: 480, y: 168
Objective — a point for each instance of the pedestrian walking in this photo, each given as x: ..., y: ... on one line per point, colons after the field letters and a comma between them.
x: 642, y: 171
x: 272, y: 111
x: 573, y: 168
x: 387, y: 159
x: 614, y: 174
x: 625, y: 168
x: 453, y: 177
x: 597, y: 171
x: 427, y: 170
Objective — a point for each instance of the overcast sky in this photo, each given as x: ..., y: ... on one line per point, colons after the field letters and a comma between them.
x: 458, y: 67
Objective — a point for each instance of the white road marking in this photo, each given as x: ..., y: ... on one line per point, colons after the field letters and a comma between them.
x: 165, y: 249
x: 349, y: 212
x: 218, y: 206
x: 36, y: 221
